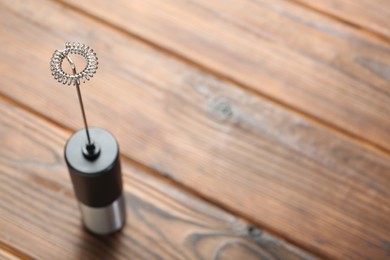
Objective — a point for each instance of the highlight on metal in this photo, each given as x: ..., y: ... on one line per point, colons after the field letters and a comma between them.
x: 73, y: 79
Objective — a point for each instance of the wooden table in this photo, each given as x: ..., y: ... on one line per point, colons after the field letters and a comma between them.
x: 248, y: 129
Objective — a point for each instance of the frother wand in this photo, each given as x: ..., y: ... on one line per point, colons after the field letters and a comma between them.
x: 91, y: 154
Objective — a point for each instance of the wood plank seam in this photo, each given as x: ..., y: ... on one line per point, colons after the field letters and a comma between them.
x: 13, y: 251
x: 219, y: 64
x: 345, y: 21
x: 168, y: 179
x: 328, y: 125
x: 171, y: 100
x: 252, y: 227
x: 254, y: 233
x: 297, y: 111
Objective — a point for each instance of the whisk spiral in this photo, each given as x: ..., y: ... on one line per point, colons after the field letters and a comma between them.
x: 73, y: 79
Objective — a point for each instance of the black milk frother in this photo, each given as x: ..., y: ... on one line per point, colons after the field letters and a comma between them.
x: 91, y: 154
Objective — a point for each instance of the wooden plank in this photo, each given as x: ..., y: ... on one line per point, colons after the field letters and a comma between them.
x: 279, y: 170
x: 5, y: 255
x: 368, y: 14
x: 302, y: 59
x: 39, y: 215
x: 9, y: 252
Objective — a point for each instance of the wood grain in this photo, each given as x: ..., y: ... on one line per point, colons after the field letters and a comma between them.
x: 9, y: 252
x: 6, y: 255
x: 373, y: 15
x: 304, y: 60
x: 39, y: 215
x: 312, y: 186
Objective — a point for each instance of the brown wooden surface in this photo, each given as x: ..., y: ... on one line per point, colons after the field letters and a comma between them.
x: 302, y: 59
x: 315, y: 185
x: 365, y: 14
x: 39, y: 214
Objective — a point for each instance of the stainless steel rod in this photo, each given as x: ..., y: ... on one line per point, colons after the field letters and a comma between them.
x: 73, y: 66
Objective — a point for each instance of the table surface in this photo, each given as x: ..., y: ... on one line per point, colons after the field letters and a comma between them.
x: 248, y: 129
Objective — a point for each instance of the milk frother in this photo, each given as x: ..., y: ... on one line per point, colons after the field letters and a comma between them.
x: 91, y: 154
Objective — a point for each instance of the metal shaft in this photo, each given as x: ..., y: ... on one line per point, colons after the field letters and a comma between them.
x: 73, y: 66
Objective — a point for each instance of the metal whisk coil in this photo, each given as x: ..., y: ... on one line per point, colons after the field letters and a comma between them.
x: 73, y: 79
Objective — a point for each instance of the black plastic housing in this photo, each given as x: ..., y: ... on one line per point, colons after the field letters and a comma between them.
x: 97, y: 182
